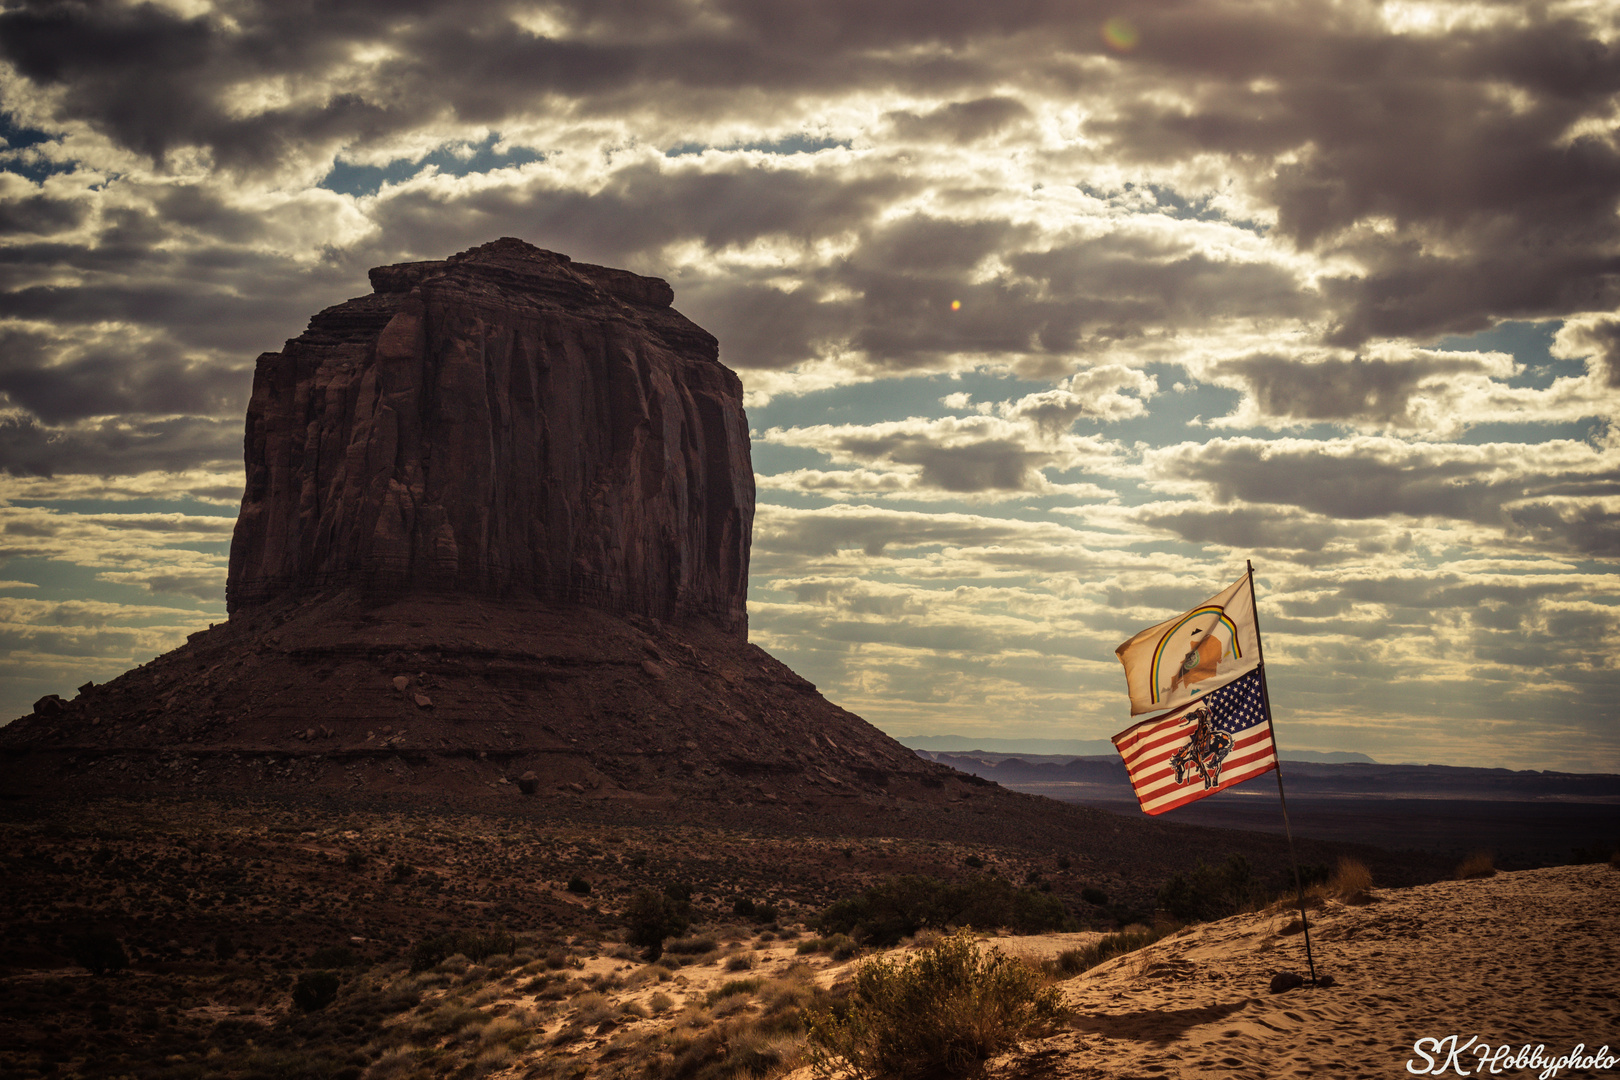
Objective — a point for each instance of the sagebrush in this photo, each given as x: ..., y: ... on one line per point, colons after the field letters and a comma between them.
x: 943, y: 1012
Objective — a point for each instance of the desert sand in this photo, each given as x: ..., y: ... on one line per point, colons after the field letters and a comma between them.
x: 1531, y: 957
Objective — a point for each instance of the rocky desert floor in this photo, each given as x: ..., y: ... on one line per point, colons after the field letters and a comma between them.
x: 224, y: 909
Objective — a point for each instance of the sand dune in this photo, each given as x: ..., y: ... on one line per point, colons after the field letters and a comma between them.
x: 1531, y: 957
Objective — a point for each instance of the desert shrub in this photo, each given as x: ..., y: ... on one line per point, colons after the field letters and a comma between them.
x: 733, y: 986
x: 1349, y: 883
x: 224, y: 948
x: 743, y: 907
x: 476, y: 945
x: 898, y: 907
x: 660, y: 1002
x: 691, y: 946
x: 548, y: 987
x: 394, y: 1061
x: 356, y: 860
x: 838, y: 946
x: 99, y: 952
x: 1094, y: 896
x: 1071, y: 962
x: 501, y: 1030
x: 650, y: 918
x: 739, y: 962
x: 592, y: 1008
x: 943, y: 1012
x: 449, y: 1019
x: 579, y: 886
x: 1478, y: 865
x: 754, y: 1053
x: 1212, y: 892
x: 315, y: 990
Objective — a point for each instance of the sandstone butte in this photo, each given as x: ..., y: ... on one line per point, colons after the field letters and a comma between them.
x: 503, y: 423
x: 494, y: 545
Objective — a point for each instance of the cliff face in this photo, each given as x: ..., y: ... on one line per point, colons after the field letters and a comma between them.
x: 504, y: 423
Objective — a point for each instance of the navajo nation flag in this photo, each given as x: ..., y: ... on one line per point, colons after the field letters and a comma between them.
x: 1223, y: 738
x: 1183, y: 658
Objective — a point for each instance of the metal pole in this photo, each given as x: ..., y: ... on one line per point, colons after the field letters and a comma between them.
x: 1265, y: 696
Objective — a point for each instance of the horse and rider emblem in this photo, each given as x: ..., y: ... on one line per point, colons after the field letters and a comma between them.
x: 1205, y: 750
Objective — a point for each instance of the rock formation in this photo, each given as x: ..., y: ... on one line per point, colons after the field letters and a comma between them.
x: 494, y: 539
x: 502, y: 423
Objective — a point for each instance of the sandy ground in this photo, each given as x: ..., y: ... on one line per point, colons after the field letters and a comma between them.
x: 1531, y: 957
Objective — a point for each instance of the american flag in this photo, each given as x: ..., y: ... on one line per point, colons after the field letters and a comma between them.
x: 1236, y: 711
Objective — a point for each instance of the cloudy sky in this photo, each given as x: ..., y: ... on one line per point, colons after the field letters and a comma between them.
x: 1050, y: 314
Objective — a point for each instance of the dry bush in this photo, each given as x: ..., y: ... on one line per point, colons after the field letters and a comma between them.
x: 730, y: 1006
x: 494, y: 1059
x: 942, y: 1012
x: 501, y: 1030
x: 449, y: 1019
x: 1351, y: 883
x: 395, y: 1061
x: 640, y: 976
x: 740, y: 962
x: 733, y: 987
x: 660, y: 1002
x: 695, y: 1017
x: 1071, y: 962
x: 691, y: 946
x: 592, y: 1008
x: 839, y: 946
x: 1478, y: 865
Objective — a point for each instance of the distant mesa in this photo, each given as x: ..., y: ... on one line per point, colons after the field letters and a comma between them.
x: 502, y: 423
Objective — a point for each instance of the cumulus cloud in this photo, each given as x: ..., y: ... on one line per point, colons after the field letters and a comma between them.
x: 963, y: 455
x: 1556, y: 492
x: 1597, y: 337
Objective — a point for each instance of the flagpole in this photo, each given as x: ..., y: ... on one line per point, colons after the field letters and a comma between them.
x: 1265, y: 696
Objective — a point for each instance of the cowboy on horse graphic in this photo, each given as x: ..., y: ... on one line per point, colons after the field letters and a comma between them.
x: 1205, y: 751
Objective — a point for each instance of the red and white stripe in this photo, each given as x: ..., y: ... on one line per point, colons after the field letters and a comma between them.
x: 1148, y: 747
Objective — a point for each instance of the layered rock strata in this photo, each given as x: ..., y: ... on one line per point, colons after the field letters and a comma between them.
x: 502, y: 423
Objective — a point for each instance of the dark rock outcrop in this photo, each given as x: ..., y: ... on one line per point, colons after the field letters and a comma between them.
x: 502, y: 423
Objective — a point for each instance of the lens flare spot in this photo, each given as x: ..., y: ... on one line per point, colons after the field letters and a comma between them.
x: 1119, y: 34
x: 956, y: 305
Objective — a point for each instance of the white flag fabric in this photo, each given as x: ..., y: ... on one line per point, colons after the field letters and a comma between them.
x: 1223, y: 738
x: 1183, y: 658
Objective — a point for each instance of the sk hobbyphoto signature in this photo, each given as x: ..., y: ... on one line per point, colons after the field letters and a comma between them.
x: 1475, y: 1057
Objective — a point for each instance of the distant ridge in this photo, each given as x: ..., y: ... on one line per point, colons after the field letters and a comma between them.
x: 957, y: 744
